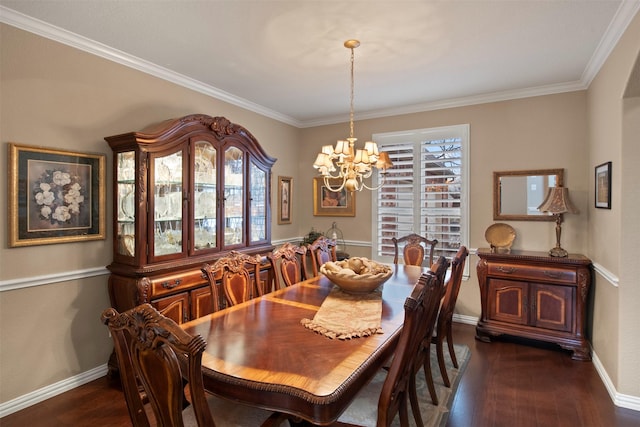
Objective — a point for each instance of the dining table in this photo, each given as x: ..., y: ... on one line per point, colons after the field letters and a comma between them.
x: 259, y: 352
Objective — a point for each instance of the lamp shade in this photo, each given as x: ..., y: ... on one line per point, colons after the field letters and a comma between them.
x: 558, y: 202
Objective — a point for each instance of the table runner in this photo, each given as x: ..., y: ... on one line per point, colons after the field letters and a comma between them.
x: 346, y: 316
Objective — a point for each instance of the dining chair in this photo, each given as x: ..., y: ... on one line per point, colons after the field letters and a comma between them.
x: 415, y: 249
x: 210, y: 274
x: 443, y: 329
x: 398, y: 388
x: 287, y: 264
x: 235, y: 278
x: 156, y: 357
x: 439, y: 271
x: 322, y: 250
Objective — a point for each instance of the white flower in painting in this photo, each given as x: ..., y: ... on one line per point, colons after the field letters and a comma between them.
x: 73, y: 195
x: 58, y: 195
x: 61, y: 178
x: 45, y: 211
x: 44, y: 198
x: 62, y: 214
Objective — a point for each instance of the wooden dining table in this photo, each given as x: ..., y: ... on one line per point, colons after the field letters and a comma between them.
x: 260, y: 354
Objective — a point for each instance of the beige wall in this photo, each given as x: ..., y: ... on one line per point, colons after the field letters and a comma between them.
x: 56, y: 96
x: 613, y: 235
x: 533, y: 133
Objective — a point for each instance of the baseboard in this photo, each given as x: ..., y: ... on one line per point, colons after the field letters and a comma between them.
x: 52, y: 390
x: 467, y: 320
x: 619, y: 399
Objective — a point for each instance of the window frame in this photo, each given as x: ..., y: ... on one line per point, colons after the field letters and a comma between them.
x: 417, y: 137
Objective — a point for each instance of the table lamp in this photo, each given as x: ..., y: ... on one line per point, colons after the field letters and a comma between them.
x: 558, y: 202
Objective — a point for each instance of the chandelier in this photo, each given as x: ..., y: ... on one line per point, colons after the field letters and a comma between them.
x: 343, y: 165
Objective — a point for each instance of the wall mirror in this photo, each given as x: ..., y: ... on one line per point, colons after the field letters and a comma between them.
x: 517, y: 194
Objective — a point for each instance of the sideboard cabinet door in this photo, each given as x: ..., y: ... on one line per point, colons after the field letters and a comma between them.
x: 508, y: 301
x: 552, y: 306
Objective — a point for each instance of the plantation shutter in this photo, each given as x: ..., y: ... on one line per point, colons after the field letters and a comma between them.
x: 424, y: 192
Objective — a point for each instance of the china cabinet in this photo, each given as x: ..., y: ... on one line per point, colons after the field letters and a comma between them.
x: 535, y: 296
x: 187, y: 191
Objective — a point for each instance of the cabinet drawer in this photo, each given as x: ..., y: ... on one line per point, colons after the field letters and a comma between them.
x: 532, y: 272
x: 164, y: 285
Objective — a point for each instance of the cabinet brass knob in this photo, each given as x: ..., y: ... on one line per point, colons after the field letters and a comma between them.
x: 552, y: 274
x: 171, y: 285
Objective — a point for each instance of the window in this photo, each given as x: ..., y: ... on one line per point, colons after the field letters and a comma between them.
x: 426, y: 191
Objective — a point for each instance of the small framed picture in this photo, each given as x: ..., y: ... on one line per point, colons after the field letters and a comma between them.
x: 55, y: 196
x: 603, y: 186
x: 332, y: 203
x: 285, y: 191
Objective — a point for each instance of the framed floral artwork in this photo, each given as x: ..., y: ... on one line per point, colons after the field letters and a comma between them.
x: 285, y: 191
x: 55, y: 196
x: 603, y: 186
x: 332, y: 203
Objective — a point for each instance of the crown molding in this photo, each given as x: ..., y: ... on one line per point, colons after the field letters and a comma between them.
x: 52, y: 32
x: 625, y: 13
x: 618, y: 25
x: 454, y: 103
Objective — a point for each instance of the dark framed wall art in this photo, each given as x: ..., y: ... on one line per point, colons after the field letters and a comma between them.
x: 55, y: 196
x: 285, y: 191
x: 603, y: 186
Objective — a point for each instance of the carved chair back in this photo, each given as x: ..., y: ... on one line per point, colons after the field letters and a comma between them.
x: 287, y: 264
x: 156, y: 354
x: 235, y: 273
x: 210, y: 274
x: 445, y: 316
x: 399, y: 386
x: 322, y: 250
x: 416, y: 249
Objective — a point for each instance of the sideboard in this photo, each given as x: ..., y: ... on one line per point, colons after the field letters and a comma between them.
x: 535, y: 296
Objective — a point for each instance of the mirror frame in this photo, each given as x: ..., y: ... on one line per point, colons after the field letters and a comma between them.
x: 559, y: 173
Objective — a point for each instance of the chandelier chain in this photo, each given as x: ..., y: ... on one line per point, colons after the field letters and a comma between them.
x: 351, y: 97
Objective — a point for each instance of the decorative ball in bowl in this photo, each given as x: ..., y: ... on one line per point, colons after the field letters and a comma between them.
x: 356, y: 275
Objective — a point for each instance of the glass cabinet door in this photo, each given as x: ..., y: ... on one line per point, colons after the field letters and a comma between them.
x: 233, y: 196
x: 167, y: 201
x: 125, y: 202
x: 204, y: 196
x: 258, y: 204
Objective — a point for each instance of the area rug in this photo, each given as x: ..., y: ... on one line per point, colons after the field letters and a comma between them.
x: 363, y: 410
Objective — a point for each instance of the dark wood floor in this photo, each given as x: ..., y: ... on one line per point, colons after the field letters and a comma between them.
x: 505, y: 384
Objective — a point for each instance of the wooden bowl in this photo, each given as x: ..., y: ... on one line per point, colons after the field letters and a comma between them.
x: 357, y: 283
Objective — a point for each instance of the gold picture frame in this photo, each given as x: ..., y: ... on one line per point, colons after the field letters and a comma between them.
x: 329, y: 203
x: 285, y: 191
x: 55, y: 196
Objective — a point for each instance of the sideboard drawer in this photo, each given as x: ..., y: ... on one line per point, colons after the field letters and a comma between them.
x: 534, y: 273
x: 163, y: 285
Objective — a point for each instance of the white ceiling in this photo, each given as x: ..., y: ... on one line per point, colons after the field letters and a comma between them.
x: 286, y: 59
